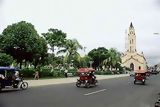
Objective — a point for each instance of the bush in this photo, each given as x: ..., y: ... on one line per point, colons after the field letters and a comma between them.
x: 5, y: 60
x: 28, y: 72
x: 108, y: 72
x: 103, y: 72
x: 128, y: 69
x: 73, y: 71
x: 57, y: 73
x: 45, y: 72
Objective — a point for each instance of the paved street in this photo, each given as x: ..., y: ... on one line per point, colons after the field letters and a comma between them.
x: 116, y: 92
x: 41, y: 82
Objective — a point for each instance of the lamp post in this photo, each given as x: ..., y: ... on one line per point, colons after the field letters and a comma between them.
x: 84, y: 48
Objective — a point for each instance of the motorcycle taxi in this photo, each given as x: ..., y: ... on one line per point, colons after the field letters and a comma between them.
x: 86, y: 77
x: 9, y: 79
x: 140, y: 76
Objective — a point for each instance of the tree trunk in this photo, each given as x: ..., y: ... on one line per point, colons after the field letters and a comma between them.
x: 20, y: 64
x: 25, y: 63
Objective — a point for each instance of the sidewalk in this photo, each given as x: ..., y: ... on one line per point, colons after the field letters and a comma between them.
x: 34, y: 83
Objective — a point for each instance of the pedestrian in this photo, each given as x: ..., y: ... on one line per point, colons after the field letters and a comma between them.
x: 36, y: 75
x: 65, y: 73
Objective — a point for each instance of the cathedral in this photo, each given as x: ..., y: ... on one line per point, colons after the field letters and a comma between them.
x: 131, y: 58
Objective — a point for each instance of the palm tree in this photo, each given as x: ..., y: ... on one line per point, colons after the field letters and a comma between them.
x: 70, y: 47
x: 113, y: 60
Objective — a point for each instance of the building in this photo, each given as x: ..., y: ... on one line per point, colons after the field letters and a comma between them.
x: 131, y: 58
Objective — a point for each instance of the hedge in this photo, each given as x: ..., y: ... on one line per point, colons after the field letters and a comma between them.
x: 108, y: 72
x: 46, y: 72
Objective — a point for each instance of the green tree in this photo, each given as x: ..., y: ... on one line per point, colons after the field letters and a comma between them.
x: 55, y: 38
x: 70, y: 48
x: 85, y: 61
x: 114, y: 59
x: 19, y: 40
x: 39, y: 52
x: 98, y: 55
x: 5, y: 60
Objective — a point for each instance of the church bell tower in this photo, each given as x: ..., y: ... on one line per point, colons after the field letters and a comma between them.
x: 131, y: 39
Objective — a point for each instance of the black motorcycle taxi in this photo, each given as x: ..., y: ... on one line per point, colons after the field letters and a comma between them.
x: 9, y: 79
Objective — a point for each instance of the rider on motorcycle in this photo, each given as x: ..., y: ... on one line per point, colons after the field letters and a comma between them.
x: 16, y: 79
x: 93, y: 77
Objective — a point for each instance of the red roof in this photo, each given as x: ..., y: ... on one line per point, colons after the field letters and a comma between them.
x: 86, y: 70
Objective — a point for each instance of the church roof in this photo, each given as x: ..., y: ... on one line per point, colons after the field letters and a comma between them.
x: 133, y: 59
x: 141, y: 56
x: 134, y: 55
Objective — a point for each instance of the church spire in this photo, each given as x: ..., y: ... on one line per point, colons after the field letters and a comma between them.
x: 131, y: 25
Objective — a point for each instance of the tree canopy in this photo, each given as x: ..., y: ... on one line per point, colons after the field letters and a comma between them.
x: 21, y: 41
x: 103, y: 57
x: 98, y: 55
x: 5, y: 60
x: 55, y: 37
x: 70, y: 47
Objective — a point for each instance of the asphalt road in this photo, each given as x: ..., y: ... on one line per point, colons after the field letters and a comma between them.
x: 117, y: 92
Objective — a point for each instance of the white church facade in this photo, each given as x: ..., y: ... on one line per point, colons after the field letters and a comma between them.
x: 130, y: 57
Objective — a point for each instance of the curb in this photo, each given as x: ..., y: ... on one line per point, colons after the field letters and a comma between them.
x: 36, y: 83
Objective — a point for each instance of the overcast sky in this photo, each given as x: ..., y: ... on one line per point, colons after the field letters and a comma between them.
x: 94, y: 23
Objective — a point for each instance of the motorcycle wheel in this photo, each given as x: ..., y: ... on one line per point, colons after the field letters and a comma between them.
x: 95, y: 83
x: 143, y: 83
x: 87, y: 85
x: 24, y: 85
x: 134, y: 81
x: 78, y: 84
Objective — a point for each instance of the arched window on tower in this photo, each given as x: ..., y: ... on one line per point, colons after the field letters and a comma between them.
x: 132, y: 41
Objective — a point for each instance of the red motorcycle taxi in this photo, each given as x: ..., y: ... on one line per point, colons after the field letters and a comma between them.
x: 86, y: 77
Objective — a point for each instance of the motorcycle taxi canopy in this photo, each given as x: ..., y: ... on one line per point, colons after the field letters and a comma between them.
x: 86, y: 70
x: 7, y: 68
x: 4, y: 70
x: 140, y: 71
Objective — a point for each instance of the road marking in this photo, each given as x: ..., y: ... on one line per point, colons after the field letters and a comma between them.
x: 95, y: 92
